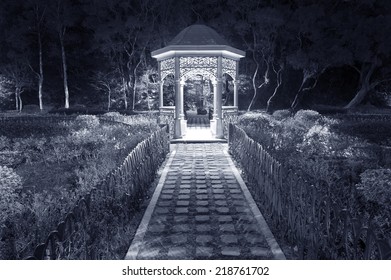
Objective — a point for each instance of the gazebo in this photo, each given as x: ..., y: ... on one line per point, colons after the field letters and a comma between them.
x: 198, y: 50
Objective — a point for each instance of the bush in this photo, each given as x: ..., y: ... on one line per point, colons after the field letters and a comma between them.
x: 307, y: 115
x: 375, y: 189
x: 282, y: 114
x: 374, y: 131
x: 114, y: 115
x: 10, y: 184
x: 5, y: 143
x: 87, y: 121
x: 375, y: 186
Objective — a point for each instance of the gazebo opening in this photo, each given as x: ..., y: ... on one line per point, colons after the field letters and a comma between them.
x: 204, y: 69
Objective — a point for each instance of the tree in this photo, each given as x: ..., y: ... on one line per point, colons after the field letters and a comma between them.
x: 318, y: 45
x: 64, y: 16
x: 258, y: 25
x: 106, y: 82
x: 147, y: 88
x: 5, y: 91
x: 38, y: 18
x: 123, y: 31
x: 18, y: 74
x: 366, y: 28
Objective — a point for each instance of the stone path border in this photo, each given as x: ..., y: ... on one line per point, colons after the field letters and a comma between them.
x: 274, y: 247
x: 142, y: 228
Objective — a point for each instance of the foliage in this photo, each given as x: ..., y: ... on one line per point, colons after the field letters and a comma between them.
x: 330, y: 161
x: 308, y: 137
x: 87, y: 121
x: 56, y: 169
x: 10, y: 184
x: 281, y: 114
x: 375, y: 187
x: 5, y: 92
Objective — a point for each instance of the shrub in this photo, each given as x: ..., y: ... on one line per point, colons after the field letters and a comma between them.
x: 5, y: 143
x: 113, y: 114
x: 375, y: 188
x: 10, y: 184
x: 282, y: 114
x: 87, y: 121
x: 307, y: 115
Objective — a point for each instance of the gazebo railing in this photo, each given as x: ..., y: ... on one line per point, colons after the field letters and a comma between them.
x: 167, y: 116
x: 230, y: 115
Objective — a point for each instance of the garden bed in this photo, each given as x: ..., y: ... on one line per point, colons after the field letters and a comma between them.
x: 337, y: 161
x: 50, y: 162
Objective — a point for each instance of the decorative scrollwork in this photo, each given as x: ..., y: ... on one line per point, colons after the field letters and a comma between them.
x: 205, y: 66
x: 198, y: 62
x: 229, y: 67
x: 209, y: 73
x: 167, y: 64
x: 167, y: 67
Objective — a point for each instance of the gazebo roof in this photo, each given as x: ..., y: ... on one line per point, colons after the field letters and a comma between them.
x: 195, y: 40
x: 198, y: 34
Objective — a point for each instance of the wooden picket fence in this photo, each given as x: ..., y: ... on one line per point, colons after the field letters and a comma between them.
x: 117, y: 197
x: 305, y: 213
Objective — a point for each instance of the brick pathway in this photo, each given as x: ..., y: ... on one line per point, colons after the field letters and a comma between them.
x: 201, y: 209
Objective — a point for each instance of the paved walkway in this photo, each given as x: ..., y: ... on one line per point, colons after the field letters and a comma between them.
x: 201, y: 209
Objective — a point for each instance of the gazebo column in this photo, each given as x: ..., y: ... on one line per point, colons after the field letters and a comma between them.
x: 218, y: 106
x: 217, y: 122
x: 236, y: 83
x: 180, y: 122
x: 161, y: 83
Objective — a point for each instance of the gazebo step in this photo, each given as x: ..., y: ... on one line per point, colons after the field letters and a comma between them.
x: 192, y: 141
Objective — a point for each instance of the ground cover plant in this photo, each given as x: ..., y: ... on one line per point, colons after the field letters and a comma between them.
x: 46, y: 164
x: 346, y: 155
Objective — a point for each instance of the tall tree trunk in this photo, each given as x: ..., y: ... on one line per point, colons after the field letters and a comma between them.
x: 254, y: 86
x: 16, y: 99
x: 109, y: 100
x: 134, y: 82
x: 64, y: 68
x: 306, y: 86
x: 134, y: 89
x: 19, y: 103
x: 300, y: 93
x: 125, y: 86
x: 271, y: 100
x: 364, y: 88
x: 40, y: 79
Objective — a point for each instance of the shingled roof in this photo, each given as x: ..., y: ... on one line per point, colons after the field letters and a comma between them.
x: 198, y: 34
x: 198, y: 39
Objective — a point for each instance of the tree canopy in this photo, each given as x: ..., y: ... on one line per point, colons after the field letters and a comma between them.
x: 97, y: 53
